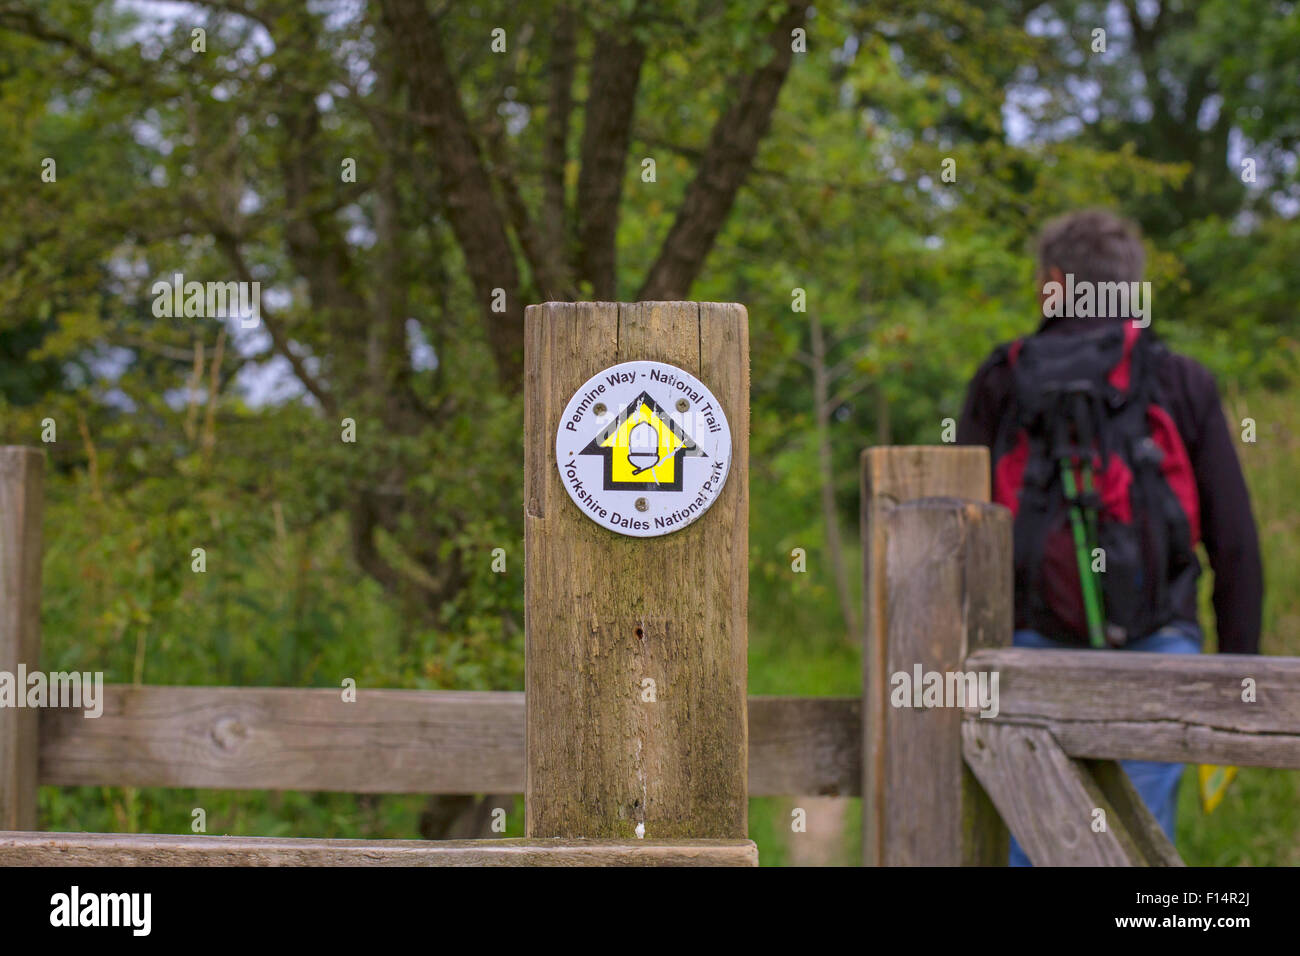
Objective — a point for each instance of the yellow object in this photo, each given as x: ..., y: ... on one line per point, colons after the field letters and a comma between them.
x: 1214, y: 782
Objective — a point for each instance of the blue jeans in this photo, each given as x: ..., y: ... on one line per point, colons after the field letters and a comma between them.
x: 1156, y: 783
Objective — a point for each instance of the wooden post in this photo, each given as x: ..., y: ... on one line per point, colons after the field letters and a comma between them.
x: 937, y: 585
x: 604, y: 611
x: 21, y: 505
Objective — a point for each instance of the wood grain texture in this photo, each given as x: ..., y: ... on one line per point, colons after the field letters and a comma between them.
x: 22, y: 474
x: 1050, y: 801
x: 599, y: 760
x: 805, y: 746
x: 389, y: 741
x: 107, y: 849
x: 948, y: 589
x: 1123, y: 705
x: 891, y: 475
x: 1149, y: 837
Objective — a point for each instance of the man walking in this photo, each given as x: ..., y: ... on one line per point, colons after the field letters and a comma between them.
x: 1114, y: 456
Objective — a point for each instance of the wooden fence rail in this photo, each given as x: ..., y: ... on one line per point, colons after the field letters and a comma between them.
x: 1063, y: 811
x: 1048, y: 757
x: 111, y: 849
x: 1117, y: 705
x: 1105, y: 705
x: 388, y: 741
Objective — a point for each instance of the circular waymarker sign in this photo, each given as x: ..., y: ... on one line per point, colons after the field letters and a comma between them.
x: 643, y: 448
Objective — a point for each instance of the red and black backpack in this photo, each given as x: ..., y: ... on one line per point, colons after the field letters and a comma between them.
x: 1100, y: 484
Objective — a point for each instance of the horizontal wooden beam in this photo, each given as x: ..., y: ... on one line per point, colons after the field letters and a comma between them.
x: 1122, y: 705
x: 388, y: 741
x: 805, y: 746
x: 21, y: 848
x: 1105, y: 705
x: 255, y: 738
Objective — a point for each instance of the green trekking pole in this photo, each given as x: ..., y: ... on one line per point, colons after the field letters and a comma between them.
x: 1115, y: 636
x: 1088, y: 583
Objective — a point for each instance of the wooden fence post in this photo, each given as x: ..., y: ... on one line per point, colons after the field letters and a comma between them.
x: 937, y: 586
x: 604, y: 612
x: 21, y: 505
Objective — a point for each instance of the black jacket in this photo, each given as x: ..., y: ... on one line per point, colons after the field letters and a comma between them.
x: 1189, y: 394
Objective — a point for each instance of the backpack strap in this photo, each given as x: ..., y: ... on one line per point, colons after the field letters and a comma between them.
x: 1012, y: 351
x: 1121, y: 376
x: 1005, y: 435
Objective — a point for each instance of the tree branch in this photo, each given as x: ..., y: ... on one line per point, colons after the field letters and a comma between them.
x: 475, y: 220
x: 363, y: 521
x: 543, y: 257
x: 21, y: 19
x: 611, y: 102
x: 732, y: 147
x: 226, y: 241
x: 563, y: 63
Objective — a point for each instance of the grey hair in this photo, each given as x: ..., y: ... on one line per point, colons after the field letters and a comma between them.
x: 1094, y: 245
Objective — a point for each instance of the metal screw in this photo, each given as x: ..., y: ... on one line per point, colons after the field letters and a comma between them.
x: 642, y: 504
x: 682, y: 404
x: 599, y: 408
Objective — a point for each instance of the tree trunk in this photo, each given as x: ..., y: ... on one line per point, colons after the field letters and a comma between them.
x: 830, y: 517
x: 882, y: 417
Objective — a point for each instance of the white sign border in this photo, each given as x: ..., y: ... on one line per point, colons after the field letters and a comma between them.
x: 716, y: 445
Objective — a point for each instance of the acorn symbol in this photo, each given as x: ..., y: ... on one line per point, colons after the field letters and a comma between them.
x: 643, y: 447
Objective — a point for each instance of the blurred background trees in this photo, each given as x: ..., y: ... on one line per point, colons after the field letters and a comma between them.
x: 402, y: 181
